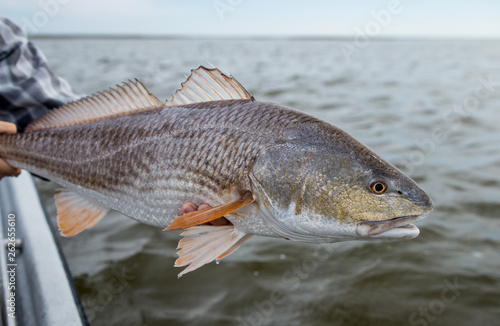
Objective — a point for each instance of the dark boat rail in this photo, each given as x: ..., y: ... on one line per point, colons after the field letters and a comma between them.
x: 37, y: 287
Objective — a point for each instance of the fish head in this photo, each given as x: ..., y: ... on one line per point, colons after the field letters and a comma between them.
x: 333, y: 188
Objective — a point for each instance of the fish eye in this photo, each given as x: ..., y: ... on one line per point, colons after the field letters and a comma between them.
x: 378, y: 187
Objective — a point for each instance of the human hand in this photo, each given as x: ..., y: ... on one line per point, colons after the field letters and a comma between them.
x: 189, y: 207
x: 5, y: 169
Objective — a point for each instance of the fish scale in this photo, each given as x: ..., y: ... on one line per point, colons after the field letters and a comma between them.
x: 116, y: 160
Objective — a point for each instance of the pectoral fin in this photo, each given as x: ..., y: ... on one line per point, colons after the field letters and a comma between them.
x: 209, y: 214
x: 75, y: 213
x: 204, y: 243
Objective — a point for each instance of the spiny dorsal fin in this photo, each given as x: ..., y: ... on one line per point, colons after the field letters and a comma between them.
x: 75, y: 213
x: 128, y: 98
x: 205, y: 243
x: 204, y: 85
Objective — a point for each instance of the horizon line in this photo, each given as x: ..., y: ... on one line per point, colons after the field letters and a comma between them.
x: 257, y: 37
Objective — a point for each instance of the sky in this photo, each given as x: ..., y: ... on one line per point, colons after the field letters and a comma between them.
x: 375, y: 18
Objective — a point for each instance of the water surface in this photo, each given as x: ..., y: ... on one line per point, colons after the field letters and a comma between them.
x: 421, y: 105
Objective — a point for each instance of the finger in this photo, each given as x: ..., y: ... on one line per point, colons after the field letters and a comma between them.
x: 203, y: 206
x: 7, y: 128
x: 7, y: 170
x: 188, y: 207
x: 220, y: 221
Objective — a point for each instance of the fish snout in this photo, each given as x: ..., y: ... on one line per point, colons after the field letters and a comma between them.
x: 423, y: 201
x: 428, y: 204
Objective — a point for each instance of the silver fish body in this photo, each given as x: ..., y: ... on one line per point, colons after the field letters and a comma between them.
x: 268, y: 169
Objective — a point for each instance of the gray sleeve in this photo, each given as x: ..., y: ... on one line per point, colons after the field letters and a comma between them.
x: 28, y: 88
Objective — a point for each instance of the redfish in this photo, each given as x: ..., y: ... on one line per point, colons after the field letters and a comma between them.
x: 268, y: 169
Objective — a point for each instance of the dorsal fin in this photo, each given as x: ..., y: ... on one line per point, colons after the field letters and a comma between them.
x: 204, y: 85
x: 128, y: 98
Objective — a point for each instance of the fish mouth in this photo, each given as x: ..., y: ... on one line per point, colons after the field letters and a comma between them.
x: 395, y: 228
